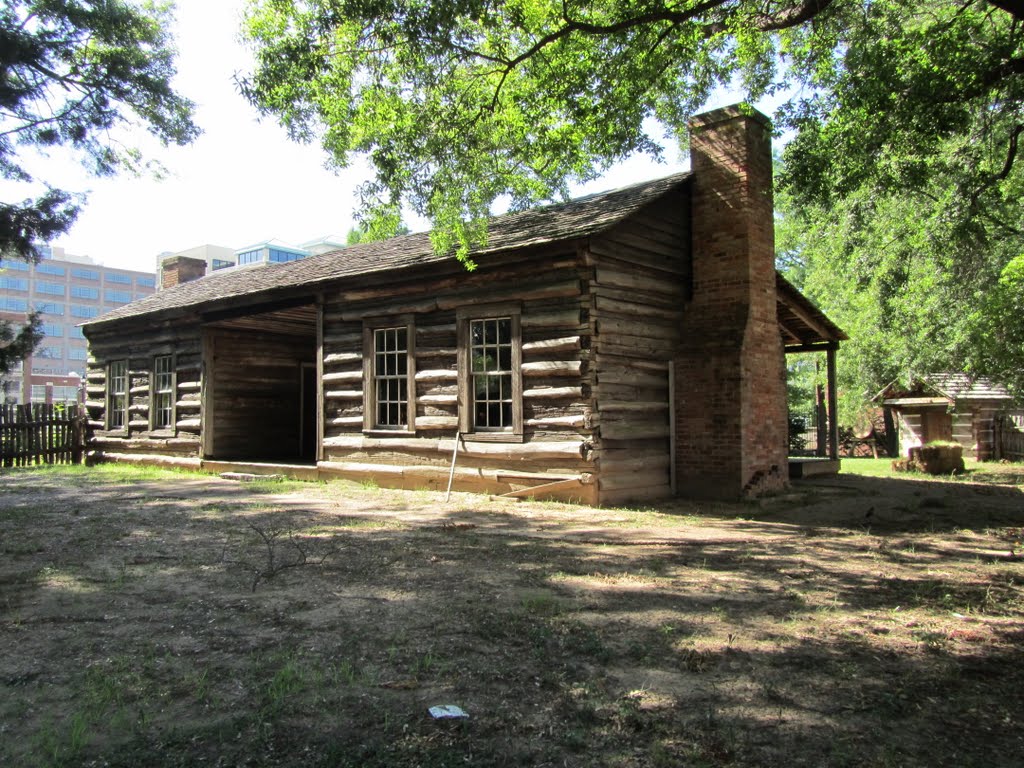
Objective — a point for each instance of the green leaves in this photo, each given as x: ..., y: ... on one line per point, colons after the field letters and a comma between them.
x: 71, y: 73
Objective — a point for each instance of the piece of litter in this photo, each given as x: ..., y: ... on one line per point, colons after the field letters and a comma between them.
x: 445, y: 711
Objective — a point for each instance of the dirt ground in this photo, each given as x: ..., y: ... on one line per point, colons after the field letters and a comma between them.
x: 162, y: 619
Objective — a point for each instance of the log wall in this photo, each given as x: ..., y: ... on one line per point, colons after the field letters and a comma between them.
x: 555, y: 451
x: 641, y: 283
x: 139, y: 347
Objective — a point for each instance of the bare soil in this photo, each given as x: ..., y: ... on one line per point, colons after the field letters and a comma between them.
x: 162, y: 619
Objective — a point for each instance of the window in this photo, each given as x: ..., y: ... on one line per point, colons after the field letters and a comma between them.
x: 85, y: 274
x: 489, y: 383
x: 77, y: 353
x: 50, y: 307
x: 84, y: 292
x: 114, y: 277
x: 117, y: 395
x: 53, y: 289
x: 74, y: 332
x: 277, y: 255
x: 222, y: 264
x: 79, y: 311
x: 250, y: 257
x: 50, y: 353
x: 120, y: 297
x: 390, y: 385
x: 49, y: 269
x: 14, y: 283
x: 11, y: 304
x: 18, y: 266
x: 146, y: 282
x: 52, y: 329
x: 162, y: 408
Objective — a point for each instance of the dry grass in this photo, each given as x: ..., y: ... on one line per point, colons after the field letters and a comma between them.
x: 857, y: 621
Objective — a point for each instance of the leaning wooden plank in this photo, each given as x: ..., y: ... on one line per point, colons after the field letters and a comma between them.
x: 544, y: 488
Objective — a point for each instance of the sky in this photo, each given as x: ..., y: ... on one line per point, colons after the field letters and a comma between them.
x: 243, y: 181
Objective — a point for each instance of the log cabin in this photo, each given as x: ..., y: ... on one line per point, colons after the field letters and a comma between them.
x: 621, y: 346
x: 950, y: 407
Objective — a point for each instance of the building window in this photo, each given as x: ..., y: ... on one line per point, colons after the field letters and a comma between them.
x: 222, y: 264
x: 50, y: 307
x: 77, y: 353
x: 19, y: 266
x: 114, y: 277
x: 119, y: 297
x: 52, y: 329
x: 53, y: 289
x: 80, y: 311
x: 14, y: 283
x: 391, y: 378
x: 11, y: 304
x: 389, y: 375
x: 84, y: 292
x: 162, y: 408
x: 146, y: 282
x: 489, y: 364
x: 50, y: 353
x: 250, y: 257
x: 85, y: 274
x: 50, y: 269
x: 117, y: 395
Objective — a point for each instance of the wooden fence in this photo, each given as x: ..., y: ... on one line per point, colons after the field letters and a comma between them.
x: 41, y: 433
x: 1009, y: 437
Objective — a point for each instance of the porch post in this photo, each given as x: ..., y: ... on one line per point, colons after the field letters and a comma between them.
x: 833, y: 403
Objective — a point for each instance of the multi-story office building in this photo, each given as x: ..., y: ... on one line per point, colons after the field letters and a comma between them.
x: 67, y: 290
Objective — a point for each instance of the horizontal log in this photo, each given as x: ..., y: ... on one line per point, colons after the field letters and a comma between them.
x: 95, y: 404
x: 345, y: 421
x: 653, y: 479
x: 138, y: 424
x: 536, y: 449
x: 612, y: 466
x: 610, y: 362
x: 634, y: 378
x: 96, y: 424
x: 566, y: 318
x: 552, y: 368
x: 96, y: 375
x: 188, y: 405
x: 438, y: 374
x: 608, y: 325
x: 342, y: 376
x: 187, y: 443
x: 437, y: 399
x: 627, y: 430
x: 564, y: 344
x: 337, y: 358
x: 578, y: 420
x: 344, y: 339
x: 139, y: 390
x: 553, y: 393
x: 189, y: 424
x: 344, y: 394
x: 621, y: 406
x: 189, y: 386
x: 437, y: 422
x: 637, y: 307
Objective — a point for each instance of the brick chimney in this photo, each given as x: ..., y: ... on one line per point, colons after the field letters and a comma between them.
x: 730, y: 393
x: 180, y: 269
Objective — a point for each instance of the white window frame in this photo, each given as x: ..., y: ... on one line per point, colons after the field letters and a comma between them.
x: 466, y: 317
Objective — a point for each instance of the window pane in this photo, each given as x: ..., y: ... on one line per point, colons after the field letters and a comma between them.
x: 390, y: 377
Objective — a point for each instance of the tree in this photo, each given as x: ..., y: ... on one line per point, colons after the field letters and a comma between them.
x: 457, y: 104
x: 72, y: 73
x: 365, y: 233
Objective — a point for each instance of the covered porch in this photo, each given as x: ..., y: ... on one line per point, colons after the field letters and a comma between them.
x: 806, y: 329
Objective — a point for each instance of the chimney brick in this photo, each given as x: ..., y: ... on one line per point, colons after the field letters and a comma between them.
x: 730, y: 393
x: 180, y: 269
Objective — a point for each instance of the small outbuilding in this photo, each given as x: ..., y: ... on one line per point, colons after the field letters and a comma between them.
x: 947, y: 407
x: 625, y: 345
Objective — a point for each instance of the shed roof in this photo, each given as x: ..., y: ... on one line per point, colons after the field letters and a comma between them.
x: 949, y: 387
x: 550, y: 224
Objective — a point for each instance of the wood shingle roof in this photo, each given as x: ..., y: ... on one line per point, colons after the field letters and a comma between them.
x: 551, y: 224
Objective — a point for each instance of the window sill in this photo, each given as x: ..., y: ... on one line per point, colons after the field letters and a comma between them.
x: 389, y: 433
x: 493, y: 437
